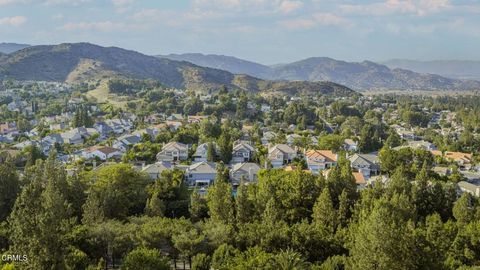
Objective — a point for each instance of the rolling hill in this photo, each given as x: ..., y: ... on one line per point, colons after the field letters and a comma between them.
x: 7, y: 48
x: 364, y: 75
x: 83, y: 61
x: 455, y: 69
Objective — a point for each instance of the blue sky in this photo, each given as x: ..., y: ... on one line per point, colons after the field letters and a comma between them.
x: 266, y: 31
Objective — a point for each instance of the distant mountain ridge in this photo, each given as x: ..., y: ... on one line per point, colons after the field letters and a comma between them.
x: 77, y: 62
x: 7, y: 48
x: 356, y: 75
x: 455, y: 69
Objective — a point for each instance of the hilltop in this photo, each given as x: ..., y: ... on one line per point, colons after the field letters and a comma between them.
x: 80, y: 62
x: 7, y: 48
x: 364, y: 75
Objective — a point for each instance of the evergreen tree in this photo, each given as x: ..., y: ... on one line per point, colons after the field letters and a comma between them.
x: 211, y: 153
x: 9, y: 188
x: 42, y: 217
x: 324, y: 214
x: 225, y: 146
x: 220, y: 202
x: 155, y: 206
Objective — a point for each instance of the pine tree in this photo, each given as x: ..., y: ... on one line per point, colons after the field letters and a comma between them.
x: 42, y: 217
x: 324, y: 214
x: 93, y: 210
x: 225, y: 146
x: 244, y: 207
x: 155, y: 206
x: 211, y: 153
x: 9, y: 188
x: 220, y: 202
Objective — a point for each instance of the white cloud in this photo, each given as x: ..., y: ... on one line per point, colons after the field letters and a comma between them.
x: 13, y: 21
x: 8, y: 2
x: 246, y: 7
x: 288, y: 6
x: 317, y: 19
x: 105, y: 26
x: 64, y: 2
x: 389, y: 7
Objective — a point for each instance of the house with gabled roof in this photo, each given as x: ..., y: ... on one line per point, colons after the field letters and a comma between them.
x: 102, y: 153
x: 201, y: 174
x: 173, y: 151
x: 154, y: 171
x: 280, y: 155
x: 242, y: 152
x: 367, y: 164
x: 247, y: 171
x: 201, y: 153
x: 318, y: 160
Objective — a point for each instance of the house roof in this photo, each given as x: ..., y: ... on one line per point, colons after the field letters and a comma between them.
x: 157, y: 167
x: 284, y: 148
x: 291, y: 168
x: 364, y: 159
x: 245, y: 167
x: 350, y: 142
x: 359, y: 178
x: 457, y: 156
x: 106, y: 150
x: 328, y: 155
x: 242, y: 145
x: 175, y: 145
x: 202, y: 167
x: 472, y: 187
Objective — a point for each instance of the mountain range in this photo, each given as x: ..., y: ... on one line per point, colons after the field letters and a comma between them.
x: 364, y: 75
x: 456, y: 69
x: 79, y: 62
x: 6, y: 48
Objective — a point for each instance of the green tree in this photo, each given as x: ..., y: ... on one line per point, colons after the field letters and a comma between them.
x: 121, y: 190
x: 201, y: 262
x: 324, y: 214
x: 145, y: 259
x: 225, y: 146
x: 464, y: 209
x: 9, y: 188
x: 220, y: 202
x: 41, y: 217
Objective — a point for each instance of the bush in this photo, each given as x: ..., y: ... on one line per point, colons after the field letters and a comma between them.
x: 201, y: 262
x: 145, y: 259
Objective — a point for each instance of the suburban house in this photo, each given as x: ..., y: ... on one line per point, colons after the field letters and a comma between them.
x: 350, y: 145
x: 292, y: 138
x: 101, y: 152
x: 201, y: 174
x: 280, y: 155
x: 201, y: 153
x: 196, y: 118
x: 72, y: 137
x: 127, y: 140
x: 242, y: 152
x: 360, y: 180
x: 173, y: 151
x: 418, y: 145
x: 8, y: 128
x: 463, y: 160
x: 318, y: 160
x: 268, y: 137
x: 367, y: 164
x: 175, y: 117
x: 247, y: 171
x: 154, y: 171
x: 470, y: 187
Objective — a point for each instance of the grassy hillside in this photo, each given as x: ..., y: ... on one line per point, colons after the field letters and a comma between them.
x: 83, y: 61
